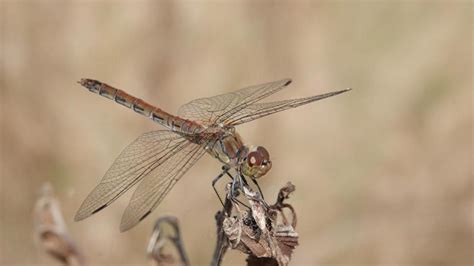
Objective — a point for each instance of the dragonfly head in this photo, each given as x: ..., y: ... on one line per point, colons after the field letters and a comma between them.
x: 256, y: 162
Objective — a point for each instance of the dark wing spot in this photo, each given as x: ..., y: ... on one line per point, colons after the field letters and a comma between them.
x: 145, y: 215
x: 287, y: 83
x: 99, y: 209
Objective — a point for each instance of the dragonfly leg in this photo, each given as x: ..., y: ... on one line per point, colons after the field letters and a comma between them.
x: 238, y: 183
x: 233, y: 188
x: 242, y: 177
x: 258, y: 186
x: 243, y: 180
x: 225, y: 170
x: 260, y: 190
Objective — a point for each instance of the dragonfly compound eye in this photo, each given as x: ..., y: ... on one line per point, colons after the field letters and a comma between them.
x: 255, y: 158
x: 264, y: 153
x: 257, y: 162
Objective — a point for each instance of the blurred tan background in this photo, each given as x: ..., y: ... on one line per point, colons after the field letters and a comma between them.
x: 383, y: 173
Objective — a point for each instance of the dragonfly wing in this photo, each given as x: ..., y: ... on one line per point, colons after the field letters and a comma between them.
x: 218, y: 108
x: 258, y: 110
x: 158, y: 183
x: 147, y: 151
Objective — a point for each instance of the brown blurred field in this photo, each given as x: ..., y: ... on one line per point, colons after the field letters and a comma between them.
x: 383, y: 173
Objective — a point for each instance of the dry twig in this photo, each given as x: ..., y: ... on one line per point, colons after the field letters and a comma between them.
x: 158, y: 239
x: 257, y: 232
x: 264, y: 232
x: 51, y: 231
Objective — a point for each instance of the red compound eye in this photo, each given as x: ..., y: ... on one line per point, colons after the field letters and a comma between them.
x: 263, y: 152
x: 255, y: 158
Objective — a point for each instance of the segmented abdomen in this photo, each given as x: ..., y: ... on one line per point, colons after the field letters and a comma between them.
x: 139, y: 106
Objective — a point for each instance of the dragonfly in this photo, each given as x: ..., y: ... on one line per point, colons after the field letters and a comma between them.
x: 158, y: 159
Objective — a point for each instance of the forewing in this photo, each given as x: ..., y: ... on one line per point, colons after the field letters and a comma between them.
x: 149, y: 150
x: 218, y: 108
x: 158, y: 183
x: 258, y: 110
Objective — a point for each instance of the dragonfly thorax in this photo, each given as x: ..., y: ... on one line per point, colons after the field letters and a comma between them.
x: 226, y: 145
x: 251, y: 161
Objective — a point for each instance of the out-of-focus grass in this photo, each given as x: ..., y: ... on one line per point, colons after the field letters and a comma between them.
x: 383, y: 173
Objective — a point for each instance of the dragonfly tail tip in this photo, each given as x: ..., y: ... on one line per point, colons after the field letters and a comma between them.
x: 82, y: 82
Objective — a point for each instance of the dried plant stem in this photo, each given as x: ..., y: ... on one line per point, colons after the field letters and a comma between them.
x: 221, y: 243
x: 156, y: 243
x: 258, y: 231
x: 51, y: 231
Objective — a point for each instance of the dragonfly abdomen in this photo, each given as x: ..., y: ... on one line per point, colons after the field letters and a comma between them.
x: 140, y: 106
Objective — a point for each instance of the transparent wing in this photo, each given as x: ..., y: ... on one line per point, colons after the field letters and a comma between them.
x: 147, y: 151
x: 214, y: 110
x: 158, y: 183
x: 258, y: 110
